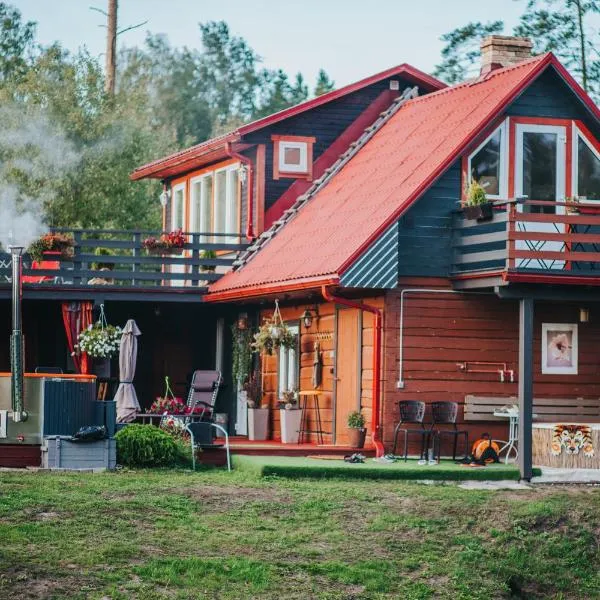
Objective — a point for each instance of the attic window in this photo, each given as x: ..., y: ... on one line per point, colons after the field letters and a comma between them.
x: 586, y: 166
x: 292, y: 156
x: 487, y: 164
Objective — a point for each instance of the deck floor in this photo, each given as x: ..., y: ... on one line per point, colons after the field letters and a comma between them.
x: 242, y: 445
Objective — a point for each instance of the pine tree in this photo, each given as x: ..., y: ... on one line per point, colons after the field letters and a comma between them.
x: 324, y: 83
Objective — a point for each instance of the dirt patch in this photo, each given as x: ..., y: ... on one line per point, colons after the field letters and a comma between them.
x: 26, y: 584
x: 219, y: 499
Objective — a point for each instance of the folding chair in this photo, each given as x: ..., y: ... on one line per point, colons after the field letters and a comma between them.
x: 201, y: 437
x: 203, y: 393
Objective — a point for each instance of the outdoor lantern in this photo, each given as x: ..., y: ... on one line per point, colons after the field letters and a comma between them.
x: 307, y: 319
x: 242, y: 322
x: 584, y: 315
x: 164, y: 197
x: 242, y: 173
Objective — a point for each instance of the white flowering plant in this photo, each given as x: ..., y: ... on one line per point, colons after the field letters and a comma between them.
x: 100, y: 341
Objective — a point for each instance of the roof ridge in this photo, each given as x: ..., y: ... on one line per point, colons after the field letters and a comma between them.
x: 481, y: 79
x: 321, y: 182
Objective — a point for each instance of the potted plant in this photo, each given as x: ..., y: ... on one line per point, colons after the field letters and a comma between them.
x: 572, y: 205
x: 477, y: 206
x: 290, y: 417
x: 258, y: 413
x: 167, y: 243
x: 241, y: 354
x: 208, y: 255
x: 100, y: 342
x: 52, y: 245
x: 356, y: 429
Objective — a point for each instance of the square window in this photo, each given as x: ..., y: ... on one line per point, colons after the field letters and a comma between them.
x: 292, y: 156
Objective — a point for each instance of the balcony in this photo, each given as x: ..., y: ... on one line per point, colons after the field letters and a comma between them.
x: 128, y: 270
x: 527, y: 241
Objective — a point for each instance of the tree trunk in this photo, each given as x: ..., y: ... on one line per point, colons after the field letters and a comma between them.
x: 111, y: 47
x: 580, y: 12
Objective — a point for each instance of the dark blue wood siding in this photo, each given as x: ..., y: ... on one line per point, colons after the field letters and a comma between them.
x: 378, y: 266
x: 326, y: 123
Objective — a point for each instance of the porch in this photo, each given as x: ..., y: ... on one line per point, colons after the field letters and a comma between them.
x: 527, y: 241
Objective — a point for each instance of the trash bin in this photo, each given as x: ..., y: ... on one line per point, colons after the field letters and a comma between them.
x: 221, y: 419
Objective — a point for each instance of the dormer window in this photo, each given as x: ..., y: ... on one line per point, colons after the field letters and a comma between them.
x: 586, y: 167
x: 487, y: 164
x: 292, y: 156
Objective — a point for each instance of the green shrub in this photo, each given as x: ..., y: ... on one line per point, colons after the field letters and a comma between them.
x: 146, y: 446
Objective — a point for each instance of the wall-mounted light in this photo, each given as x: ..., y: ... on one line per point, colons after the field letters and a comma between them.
x: 243, y: 173
x: 309, y: 315
x: 584, y: 315
x: 164, y: 196
x: 242, y: 322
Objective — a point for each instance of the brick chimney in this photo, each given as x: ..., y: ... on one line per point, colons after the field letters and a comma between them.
x: 499, y: 51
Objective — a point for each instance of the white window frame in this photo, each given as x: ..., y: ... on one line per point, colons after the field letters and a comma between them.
x: 229, y: 214
x: 176, y: 189
x: 284, y: 167
x: 577, y: 133
x: 205, y: 225
x: 503, y: 171
x: 288, y: 365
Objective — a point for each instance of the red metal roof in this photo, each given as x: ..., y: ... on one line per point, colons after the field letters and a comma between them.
x: 418, y: 143
x: 214, y: 149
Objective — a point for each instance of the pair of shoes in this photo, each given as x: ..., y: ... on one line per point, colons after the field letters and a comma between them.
x: 432, y: 462
x: 388, y: 459
x: 357, y: 457
x: 422, y: 462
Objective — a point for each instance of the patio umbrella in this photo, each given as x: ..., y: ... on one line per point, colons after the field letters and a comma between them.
x: 126, y: 398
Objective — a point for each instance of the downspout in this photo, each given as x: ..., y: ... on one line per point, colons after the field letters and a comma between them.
x: 250, y: 185
x: 376, y: 392
x: 16, y: 338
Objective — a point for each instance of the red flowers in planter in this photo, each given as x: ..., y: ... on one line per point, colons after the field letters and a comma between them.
x: 166, y: 242
x: 173, y: 406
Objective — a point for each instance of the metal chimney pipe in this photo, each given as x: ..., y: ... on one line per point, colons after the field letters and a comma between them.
x: 16, y: 339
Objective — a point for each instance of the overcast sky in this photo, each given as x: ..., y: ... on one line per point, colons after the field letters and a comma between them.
x: 350, y: 39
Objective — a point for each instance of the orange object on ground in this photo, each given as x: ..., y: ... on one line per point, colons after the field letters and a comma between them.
x: 480, y: 446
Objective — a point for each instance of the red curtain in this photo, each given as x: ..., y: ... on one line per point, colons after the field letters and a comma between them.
x: 76, y: 317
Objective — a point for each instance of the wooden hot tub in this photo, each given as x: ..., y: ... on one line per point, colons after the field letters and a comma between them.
x: 568, y: 445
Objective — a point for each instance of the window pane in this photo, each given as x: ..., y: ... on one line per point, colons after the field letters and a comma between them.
x: 196, y: 207
x: 206, y: 207
x: 220, y: 202
x: 485, y: 165
x: 588, y: 180
x: 292, y: 156
x: 233, y: 205
x: 177, y: 213
x: 539, y: 168
x: 283, y: 364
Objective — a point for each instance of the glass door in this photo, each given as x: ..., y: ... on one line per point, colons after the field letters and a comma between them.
x: 540, y: 175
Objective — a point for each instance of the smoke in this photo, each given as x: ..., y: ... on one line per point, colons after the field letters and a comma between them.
x: 34, y: 155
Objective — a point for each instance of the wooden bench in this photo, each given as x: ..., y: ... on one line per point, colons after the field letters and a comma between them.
x: 481, y: 408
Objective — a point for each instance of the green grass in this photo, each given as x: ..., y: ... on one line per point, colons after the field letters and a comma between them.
x: 214, y: 535
x: 299, y: 467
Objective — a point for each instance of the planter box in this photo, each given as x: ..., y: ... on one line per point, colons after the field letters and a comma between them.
x: 58, y: 452
x: 356, y: 437
x: 480, y: 212
x: 258, y: 423
x: 290, y: 425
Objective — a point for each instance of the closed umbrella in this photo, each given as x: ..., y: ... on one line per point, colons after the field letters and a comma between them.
x: 126, y: 398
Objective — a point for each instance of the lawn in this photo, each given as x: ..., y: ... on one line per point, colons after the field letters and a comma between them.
x: 176, y: 534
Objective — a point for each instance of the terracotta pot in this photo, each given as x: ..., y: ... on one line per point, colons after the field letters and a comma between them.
x: 356, y: 437
x: 290, y: 425
x: 258, y: 423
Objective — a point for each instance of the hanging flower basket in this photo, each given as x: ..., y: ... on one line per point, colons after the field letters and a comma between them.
x: 167, y: 243
x: 273, y: 334
x: 100, y: 340
x: 52, y: 246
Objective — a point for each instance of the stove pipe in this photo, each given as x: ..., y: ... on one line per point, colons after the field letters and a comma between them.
x: 16, y: 339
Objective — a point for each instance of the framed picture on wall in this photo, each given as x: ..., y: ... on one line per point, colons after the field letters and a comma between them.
x: 559, y: 348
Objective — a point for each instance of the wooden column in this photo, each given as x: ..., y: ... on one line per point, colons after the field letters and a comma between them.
x: 525, y: 386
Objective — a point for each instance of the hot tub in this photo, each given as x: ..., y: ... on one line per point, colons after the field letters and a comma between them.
x: 574, y: 445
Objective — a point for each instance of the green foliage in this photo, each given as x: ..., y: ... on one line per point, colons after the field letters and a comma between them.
x: 146, y: 446
x: 241, y: 354
x: 324, y: 83
x: 17, y: 42
x: 208, y: 255
x: 273, y: 335
x: 356, y: 420
x: 51, y: 242
x: 475, y: 194
x: 100, y: 341
x: 460, y: 55
x: 103, y: 265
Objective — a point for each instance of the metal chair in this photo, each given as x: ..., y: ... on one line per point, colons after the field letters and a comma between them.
x: 412, y: 412
x: 204, y: 389
x: 201, y: 437
x: 445, y: 413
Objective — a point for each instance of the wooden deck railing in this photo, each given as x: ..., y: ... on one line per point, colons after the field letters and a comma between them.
x: 524, y: 235
x: 129, y: 264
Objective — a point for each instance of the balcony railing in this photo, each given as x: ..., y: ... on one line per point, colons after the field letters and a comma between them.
x: 530, y: 236
x: 127, y: 264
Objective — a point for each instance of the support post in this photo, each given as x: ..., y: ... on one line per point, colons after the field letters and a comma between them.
x: 525, y: 387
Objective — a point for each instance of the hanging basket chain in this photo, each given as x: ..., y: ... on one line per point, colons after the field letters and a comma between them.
x: 102, y: 320
x: 168, y: 390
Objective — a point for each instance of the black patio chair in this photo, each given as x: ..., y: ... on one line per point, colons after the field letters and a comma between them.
x: 445, y: 413
x: 412, y: 412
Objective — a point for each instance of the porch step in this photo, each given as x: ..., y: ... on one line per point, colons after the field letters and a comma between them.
x: 277, y: 448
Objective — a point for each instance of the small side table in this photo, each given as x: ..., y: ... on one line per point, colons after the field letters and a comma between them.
x: 513, y: 433
x: 304, y: 396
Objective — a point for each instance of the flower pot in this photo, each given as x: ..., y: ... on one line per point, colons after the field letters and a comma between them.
x: 258, y: 423
x: 175, y: 251
x: 480, y: 212
x: 101, y: 367
x: 356, y: 437
x: 290, y: 425
x: 156, y: 251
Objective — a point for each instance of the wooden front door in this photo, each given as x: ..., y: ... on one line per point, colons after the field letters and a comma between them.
x: 348, y: 352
